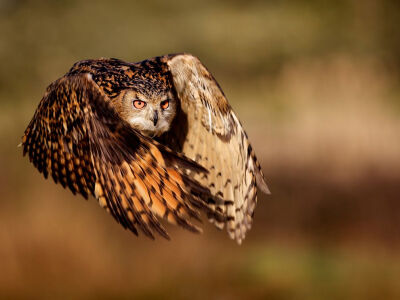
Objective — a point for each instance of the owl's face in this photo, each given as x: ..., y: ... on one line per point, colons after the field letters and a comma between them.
x: 151, y: 114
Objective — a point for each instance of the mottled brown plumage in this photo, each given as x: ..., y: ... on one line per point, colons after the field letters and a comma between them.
x: 179, y: 150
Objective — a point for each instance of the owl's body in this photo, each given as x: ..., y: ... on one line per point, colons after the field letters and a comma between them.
x: 147, y: 139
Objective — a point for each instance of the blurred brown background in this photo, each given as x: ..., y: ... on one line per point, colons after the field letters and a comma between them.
x: 316, y: 85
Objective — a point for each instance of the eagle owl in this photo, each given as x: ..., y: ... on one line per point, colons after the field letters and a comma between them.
x: 150, y: 140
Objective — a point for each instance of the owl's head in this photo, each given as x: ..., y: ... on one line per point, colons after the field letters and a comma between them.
x: 149, y: 113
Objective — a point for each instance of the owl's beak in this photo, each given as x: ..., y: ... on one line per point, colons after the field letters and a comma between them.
x: 155, y: 117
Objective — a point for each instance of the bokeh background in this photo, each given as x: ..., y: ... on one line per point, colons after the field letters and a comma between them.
x: 316, y: 85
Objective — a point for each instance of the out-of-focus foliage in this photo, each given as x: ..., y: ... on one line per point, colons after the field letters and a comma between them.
x: 315, y: 83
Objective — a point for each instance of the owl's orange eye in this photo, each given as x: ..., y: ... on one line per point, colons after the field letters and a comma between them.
x: 165, y: 104
x: 139, y: 104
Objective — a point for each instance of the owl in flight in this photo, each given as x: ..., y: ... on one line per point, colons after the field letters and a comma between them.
x: 150, y: 140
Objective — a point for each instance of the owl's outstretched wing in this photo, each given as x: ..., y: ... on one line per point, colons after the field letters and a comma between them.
x: 76, y: 137
x: 208, y: 131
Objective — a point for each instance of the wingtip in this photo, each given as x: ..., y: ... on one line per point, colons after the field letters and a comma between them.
x: 262, y: 185
x: 161, y: 230
x: 264, y: 188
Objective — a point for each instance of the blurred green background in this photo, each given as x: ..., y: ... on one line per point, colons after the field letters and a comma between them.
x: 316, y: 85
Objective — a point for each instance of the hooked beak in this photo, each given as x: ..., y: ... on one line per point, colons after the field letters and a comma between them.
x: 155, y: 117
